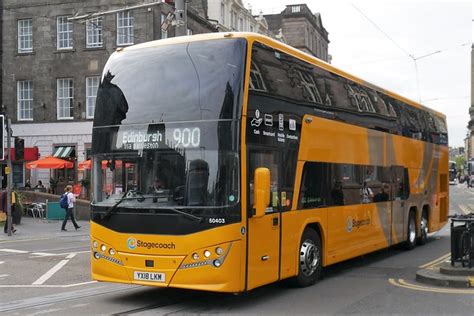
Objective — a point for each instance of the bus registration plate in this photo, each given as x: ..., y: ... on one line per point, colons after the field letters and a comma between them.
x: 149, y: 276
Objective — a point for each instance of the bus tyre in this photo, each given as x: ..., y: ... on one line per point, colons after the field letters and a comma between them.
x: 411, y: 232
x: 309, y: 259
x: 423, y: 228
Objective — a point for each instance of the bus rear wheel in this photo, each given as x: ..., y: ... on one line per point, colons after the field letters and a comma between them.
x: 423, y: 228
x: 309, y: 258
x: 411, y: 232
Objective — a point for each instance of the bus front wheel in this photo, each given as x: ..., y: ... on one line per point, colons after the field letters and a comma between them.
x: 309, y: 259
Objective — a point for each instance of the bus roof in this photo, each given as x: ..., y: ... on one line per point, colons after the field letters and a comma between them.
x: 287, y: 49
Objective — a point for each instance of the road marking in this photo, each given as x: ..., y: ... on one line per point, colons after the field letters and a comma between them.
x: 46, y: 285
x: 72, y: 255
x: 3, y: 275
x: 43, y: 254
x: 435, y: 261
x: 13, y: 250
x: 404, y: 284
x: 50, y: 273
x: 2, y: 262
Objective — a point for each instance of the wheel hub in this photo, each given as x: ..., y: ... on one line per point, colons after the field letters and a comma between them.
x: 309, y: 257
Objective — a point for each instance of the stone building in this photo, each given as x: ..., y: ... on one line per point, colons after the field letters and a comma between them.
x: 52, y: 68
x: 231, y: 15
x: 301, y: 29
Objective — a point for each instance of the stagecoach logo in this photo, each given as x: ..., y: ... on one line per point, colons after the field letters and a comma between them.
x: 131, y: 243
x: 349, y: 224
x: 352, y: 223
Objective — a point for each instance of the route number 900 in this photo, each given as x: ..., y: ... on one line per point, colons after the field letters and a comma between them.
x: 187, y: 137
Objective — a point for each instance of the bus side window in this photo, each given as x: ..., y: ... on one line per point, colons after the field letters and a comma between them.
x: 315, y: 189
x: 401, y: 183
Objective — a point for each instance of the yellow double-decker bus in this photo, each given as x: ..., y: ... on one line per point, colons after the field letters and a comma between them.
x: 224, y: 162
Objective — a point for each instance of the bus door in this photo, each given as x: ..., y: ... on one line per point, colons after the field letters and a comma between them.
x: 399, y: 212
x: 263, y: 259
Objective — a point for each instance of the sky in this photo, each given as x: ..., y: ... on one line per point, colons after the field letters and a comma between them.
x: 375, y: 39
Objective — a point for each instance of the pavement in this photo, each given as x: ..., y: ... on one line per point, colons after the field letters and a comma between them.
x: 34, y: 228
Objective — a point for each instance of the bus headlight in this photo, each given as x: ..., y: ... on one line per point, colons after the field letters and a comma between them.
x: 217, y: 263
x: 195, y: 256
x: 103, y: 248
x: 96, y: 255
x: 207, y: 253
x: 111, y: 251
x: 95, y: 244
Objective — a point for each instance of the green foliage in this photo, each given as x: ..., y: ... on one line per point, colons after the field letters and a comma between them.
x: 459, y: 162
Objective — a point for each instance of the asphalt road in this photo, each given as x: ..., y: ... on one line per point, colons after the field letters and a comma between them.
x: 51, y: 276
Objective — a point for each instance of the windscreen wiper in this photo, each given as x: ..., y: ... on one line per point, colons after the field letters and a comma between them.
x: 124, y: 197
x: 194, y: 217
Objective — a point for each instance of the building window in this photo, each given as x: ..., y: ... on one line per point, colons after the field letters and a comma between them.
x: 124, y: 28
x: 295, y: 9
x: 65, y: 98
x: 25, y: 100
x: 92, y: 84
x: 310, y: 91
x: 164, y: 34
x: 25, y: 36
x: 256, y: 80
x: 64, y: 33
x: 233, y: 19
x: 94, y: 33
x: 223, y: 14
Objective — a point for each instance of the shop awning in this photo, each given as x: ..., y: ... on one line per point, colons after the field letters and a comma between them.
x: 49, y: 163
x: 63, y: 152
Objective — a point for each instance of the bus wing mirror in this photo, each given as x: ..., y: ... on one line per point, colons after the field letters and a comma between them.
x: 261, y: 191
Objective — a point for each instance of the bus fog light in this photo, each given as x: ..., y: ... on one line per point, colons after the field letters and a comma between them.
x: 111, y: 252
x: 217, y: 263
x: 95, y: 244
x: 207, y: 253
x: 96, y: 255
x: 219, y: 251
x: 195, y: 256
x: 103, y: 248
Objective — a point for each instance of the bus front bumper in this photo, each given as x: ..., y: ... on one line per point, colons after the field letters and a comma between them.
x: 213, y: 268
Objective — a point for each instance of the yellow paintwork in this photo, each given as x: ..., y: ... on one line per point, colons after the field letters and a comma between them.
x: 227, y: 278
x: 322, y: 140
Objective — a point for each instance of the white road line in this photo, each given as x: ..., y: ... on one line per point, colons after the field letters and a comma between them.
x: 46, y: 285
x: 72, y: 255
x: 13, y: 250
x: 43, y: 254
x: 50, y: 273
x: 3, y: 275
x: 2, y: 262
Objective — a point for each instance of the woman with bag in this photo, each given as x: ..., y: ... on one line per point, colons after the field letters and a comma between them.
x: 71, y: 199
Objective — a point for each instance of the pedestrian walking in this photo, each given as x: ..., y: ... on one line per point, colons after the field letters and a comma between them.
x: 71, y: 199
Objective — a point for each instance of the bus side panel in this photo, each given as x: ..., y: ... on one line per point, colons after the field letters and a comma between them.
x: 293, y: 225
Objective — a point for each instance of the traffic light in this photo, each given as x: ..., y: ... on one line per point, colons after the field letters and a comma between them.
x: 19, y: 148
x: 2, y: 138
